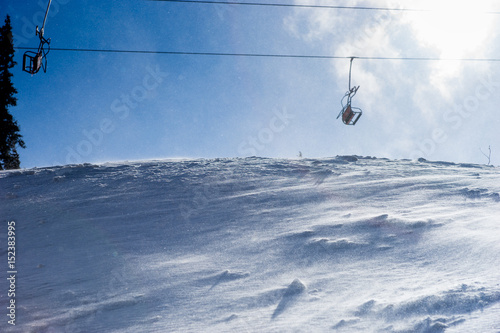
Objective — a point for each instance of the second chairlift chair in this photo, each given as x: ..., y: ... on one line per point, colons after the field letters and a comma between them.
x: 350, y: 115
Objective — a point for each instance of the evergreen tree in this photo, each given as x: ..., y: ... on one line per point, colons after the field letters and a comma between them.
x: 10, y: 138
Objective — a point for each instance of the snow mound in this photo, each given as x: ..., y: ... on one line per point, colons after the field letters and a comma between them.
x: 291, y: 295
x: 431, y: 313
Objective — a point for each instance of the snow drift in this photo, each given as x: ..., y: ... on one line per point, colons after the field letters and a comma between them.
x: 345, y: 244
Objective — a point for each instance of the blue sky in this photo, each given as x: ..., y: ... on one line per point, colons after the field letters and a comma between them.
x: 97, y: 107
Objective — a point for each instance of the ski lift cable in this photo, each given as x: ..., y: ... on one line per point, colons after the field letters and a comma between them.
x: 393, y: 9
x: 266, y: 55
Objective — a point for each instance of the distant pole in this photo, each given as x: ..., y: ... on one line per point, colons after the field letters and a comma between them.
x: 487, y: 156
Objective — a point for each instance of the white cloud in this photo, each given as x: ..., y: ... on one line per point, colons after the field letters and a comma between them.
x: 452, y: 30
x: 313, y: 24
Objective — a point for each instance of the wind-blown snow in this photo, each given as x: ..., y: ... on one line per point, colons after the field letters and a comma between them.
x: 345, y: 244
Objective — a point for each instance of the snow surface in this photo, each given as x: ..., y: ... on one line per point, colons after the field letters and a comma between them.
x: 346, y: 244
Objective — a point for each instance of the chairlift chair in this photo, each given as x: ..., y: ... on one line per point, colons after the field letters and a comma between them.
x: 350, y: 114
x: 33, y: 61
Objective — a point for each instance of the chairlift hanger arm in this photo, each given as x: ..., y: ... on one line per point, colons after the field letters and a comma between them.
x: 44, y: 19
x: 350, y: 71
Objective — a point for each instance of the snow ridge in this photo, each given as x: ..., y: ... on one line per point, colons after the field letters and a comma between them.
x: 347, y: 244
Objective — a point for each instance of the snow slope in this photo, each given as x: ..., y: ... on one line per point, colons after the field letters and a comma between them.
x: 345, y: 244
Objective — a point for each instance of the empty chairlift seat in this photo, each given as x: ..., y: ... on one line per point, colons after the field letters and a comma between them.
x: 351, y: 115
x: 32, y: 62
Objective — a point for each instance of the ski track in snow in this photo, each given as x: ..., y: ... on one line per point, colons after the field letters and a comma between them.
x: 344, y: 244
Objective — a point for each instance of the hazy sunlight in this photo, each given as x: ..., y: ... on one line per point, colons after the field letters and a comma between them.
x: 456, y: 29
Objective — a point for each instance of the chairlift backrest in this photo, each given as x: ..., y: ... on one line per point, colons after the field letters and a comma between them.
x: 347, y: 115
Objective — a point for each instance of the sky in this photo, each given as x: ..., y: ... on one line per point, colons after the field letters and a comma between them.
x: 94, y: 107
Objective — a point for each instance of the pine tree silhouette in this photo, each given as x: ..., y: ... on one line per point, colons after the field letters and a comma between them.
x: 10, y: 138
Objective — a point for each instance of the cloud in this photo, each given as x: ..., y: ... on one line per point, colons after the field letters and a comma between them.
x: 313, y: 24
x: 451, y: 31
x: 346, y: 33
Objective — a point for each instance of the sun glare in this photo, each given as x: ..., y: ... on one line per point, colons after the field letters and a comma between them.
x: 456, y: 29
